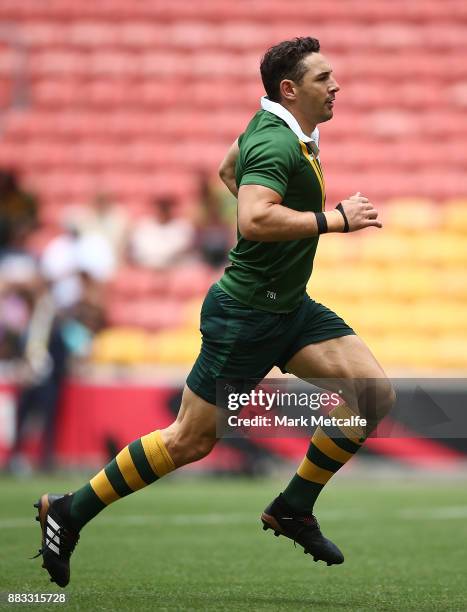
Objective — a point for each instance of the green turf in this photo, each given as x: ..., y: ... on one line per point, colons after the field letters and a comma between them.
x: 404, y: 547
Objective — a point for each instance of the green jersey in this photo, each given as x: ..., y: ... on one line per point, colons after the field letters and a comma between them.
x: 272, y: 276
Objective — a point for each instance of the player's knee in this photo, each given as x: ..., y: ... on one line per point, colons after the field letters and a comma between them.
x: 376, y: 398
x: 199, y: 446
x: 189, y: 447
x: 387, y: 396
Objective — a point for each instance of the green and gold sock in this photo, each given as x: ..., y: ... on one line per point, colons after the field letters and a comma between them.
x: 139, y: 464
x: 330, y: 448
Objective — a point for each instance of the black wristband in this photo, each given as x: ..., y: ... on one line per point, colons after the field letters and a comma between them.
x: 321, y: 222
x: 340, y: 208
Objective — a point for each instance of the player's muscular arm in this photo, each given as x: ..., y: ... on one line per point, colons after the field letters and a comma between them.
x: 262, y: 218
x: 227, y: 168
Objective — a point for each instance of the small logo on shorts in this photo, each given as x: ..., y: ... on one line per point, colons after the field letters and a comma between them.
x: 272, y: 295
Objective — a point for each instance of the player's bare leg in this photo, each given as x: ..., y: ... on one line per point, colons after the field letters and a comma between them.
x: 350, y: 369
x: 192, y: 435
x: 189, y: 438
x: 346, y: 366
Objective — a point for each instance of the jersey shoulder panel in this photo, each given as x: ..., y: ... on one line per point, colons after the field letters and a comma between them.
x: 269, y: 153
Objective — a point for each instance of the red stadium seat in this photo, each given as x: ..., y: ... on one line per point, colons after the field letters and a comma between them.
x: 189, y: 281
x: 148, y: 314
x: 134, y: 282
x: 88, y: 63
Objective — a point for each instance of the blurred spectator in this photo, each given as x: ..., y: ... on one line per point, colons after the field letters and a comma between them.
x: 42, y: 328
x: 72, y: 256
x: 15, y: 313
x: 19, y: 284
x: 47, y: 343
x: 18, y: 209
x: 85, y: 318
x: 41, y: 373
x: 214, y: 235
x: 104, y: 218
x: 162, y: 239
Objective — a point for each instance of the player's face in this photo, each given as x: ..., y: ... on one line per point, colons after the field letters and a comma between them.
x: 315, y: 94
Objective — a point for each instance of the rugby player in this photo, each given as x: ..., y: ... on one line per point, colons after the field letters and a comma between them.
x: 258, y: 316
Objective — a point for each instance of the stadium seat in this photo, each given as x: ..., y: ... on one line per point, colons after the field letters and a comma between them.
x: 412, y: 214
x: 149, y: 313
x: 451, y: 353
x: 134, y: 282
x: 175, y: 347
x: 455, y: 216
x: 188, y: 281
x: 191, y: 313
x: 124, y: 346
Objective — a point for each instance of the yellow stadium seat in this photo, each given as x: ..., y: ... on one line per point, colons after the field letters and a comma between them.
x: 455, y: 216
x: 410, y: 215
x: 386, y: 246
x: 441, y: 248
x: 180, y: 347
x: 409, y: 282
x: 124, y: 346
x: 440, y: 316
x: 451, y: 282
x: 191, y: 313
x: 331, y: 249
x: 451, y: 353
x: 402, y: 351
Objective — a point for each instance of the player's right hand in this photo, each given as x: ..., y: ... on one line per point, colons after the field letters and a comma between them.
x: 360, y: 213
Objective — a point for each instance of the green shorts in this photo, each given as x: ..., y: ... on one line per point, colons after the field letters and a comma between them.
x: 242, y: 343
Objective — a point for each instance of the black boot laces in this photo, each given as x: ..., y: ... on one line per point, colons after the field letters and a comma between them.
x: 307, y: 522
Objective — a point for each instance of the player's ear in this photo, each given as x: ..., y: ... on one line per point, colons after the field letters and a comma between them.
x: 287, y: 89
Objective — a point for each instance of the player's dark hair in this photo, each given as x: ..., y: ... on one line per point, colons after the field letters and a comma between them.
x: 285, y: 61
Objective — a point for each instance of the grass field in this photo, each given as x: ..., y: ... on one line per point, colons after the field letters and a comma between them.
x: 197, y: 545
